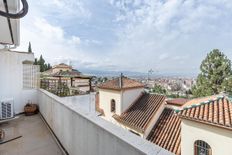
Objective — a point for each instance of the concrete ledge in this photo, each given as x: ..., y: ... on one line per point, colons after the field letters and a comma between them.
x: 64, y: 151
x: 82, y: 132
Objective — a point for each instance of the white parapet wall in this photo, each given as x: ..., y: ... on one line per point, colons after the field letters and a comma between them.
x: 83, y: 133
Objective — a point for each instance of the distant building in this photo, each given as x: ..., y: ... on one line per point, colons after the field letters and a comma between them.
x: 200, y: 126
x: 76, y: 82
x: 119, y: 93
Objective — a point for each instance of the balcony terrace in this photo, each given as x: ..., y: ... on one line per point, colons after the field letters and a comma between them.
x: 34, y: 137
x: 66, y: 127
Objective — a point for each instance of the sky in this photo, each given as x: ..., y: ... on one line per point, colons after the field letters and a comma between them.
x: 167, y: 36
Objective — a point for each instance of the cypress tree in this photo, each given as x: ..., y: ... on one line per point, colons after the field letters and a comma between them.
x: 215, y: 75
x: 29, y: 48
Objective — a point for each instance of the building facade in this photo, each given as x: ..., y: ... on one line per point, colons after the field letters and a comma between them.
x: 73, y: 80
x: 201, y: 126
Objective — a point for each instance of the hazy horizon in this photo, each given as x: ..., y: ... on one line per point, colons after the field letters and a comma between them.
x: 170, y: 37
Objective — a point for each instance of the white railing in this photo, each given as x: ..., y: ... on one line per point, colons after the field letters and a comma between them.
x: 83, y: 133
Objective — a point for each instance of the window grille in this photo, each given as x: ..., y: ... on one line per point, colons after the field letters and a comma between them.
x: 113, y: 109
x: 202, y: 148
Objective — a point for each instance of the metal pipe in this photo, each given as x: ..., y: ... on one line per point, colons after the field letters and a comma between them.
x: 18, y: 15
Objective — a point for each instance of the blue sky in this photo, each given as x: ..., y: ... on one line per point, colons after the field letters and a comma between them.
x: 168, y: 36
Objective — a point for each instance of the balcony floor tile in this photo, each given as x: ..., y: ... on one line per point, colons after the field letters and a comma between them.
x: 36, y: 138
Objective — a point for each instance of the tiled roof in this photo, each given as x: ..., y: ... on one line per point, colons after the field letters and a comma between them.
x: 177, y: 101
x: 199, y: 100
x: 166, y: 131
x: 121, y: 83
x: 73, y: 73
x: 139, y: 114
x: 47, y: 72
x: 62, y: 65
x: 216, y: 112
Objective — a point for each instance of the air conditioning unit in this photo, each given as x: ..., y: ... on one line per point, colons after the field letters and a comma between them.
x: 7, y: 109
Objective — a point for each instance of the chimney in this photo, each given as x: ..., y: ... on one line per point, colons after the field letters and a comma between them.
x: 120, y: 80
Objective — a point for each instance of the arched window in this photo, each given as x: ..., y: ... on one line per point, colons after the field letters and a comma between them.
x: 202, y: 148
x: 112, y: 106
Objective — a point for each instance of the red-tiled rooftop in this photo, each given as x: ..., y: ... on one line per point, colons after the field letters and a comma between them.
x: 166, y: 132
x: 140, y: 113
x: 216, y: 112
x: 177, y: 101
x: 73, y: 73
x: 121, y: 83
x: 62, y: 65
x: 199, y: 100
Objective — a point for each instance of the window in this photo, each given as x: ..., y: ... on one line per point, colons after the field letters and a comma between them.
x: 202, y: 148
x: 112, y: 106
x: 30, y: 75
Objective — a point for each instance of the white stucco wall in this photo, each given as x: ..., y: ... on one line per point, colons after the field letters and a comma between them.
x: 123, y: 98
x: 83, y: 133
x: 85, y: 102
x: 129, y: 96
x: 11, y: 79
x: 105, y: 97
x: 219, y: 139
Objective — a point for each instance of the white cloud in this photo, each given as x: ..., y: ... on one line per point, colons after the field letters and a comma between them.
x: 184, y: 31
x: 76, y: 40
x: 48, y: 31
x: 49, y: 38
x: 163, y: 56
x: 55, y: 45
x: 165, y: 34
x: 50, y: 41
x: 67, y: 8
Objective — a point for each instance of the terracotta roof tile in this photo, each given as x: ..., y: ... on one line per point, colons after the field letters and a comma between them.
x: 126, y: 83
x: 62, y: 65
x: 177, y: 101
x: 200, y: 100
x: 217, y: 112
x: 139, y: 114
x: 166, y: 131
x: 73, y: 73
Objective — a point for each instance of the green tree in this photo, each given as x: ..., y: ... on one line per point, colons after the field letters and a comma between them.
x: 29, y: 48
x: 214, y: 76
x: 228, y: 85
x: 41, y: 63
x: 49, y: 66
x: 36, y: 61
x: 158, y: 89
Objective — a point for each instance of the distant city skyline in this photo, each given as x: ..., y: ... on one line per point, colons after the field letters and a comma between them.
x: 170, y: 37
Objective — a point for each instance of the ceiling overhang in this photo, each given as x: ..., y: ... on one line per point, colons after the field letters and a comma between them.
x: 9, y: 28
